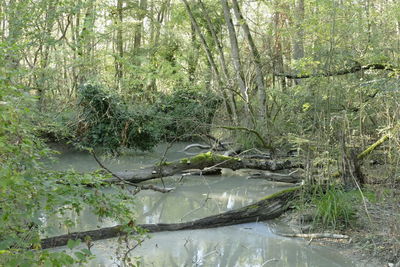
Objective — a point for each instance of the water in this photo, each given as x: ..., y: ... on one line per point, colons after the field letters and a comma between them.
x: 252, y: 244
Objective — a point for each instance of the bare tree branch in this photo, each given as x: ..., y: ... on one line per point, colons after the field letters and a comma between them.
x: 354, y: 69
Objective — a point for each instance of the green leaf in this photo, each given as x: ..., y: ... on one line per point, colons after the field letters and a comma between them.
x: 73, y: 243
x: 86, y: 251
x: 81, y: 256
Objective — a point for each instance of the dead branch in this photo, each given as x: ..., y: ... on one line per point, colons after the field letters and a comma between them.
x: 139, y: 187
x: 257, y: 134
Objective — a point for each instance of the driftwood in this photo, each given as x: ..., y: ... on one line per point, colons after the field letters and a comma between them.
x: 199, y: 146
x: 268, y: 208
x: 201, y: 162
x: 217, y: 146
x: 317, y: 236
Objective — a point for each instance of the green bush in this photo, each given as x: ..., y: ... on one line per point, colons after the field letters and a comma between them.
x: 106, y: 121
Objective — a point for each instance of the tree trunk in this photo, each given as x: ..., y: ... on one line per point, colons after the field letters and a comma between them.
x: 42, y: 82
x: 120, y: 47
x: 236, y: 57
x: 230, y: 100
x: 268, y: 208
x: 278, y: 54
x: 193, y: 56
x: 298, y: 40
x: 209, y: 54
x: 137, y: 41
x: 85, y: 44
x: 255, y: 56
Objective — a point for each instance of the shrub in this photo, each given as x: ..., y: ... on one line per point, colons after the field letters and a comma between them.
x: 107, y: 122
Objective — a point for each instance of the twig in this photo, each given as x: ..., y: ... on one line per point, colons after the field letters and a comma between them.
x: 139, y: 187
x: 231, y: 128
x: 199, y: 260
x: 130, y: 249
x: 201, y: 206
x: 268, y: 261
x: 162, y: 161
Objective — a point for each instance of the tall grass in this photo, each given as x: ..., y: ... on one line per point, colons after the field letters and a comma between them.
x: 335, y: 208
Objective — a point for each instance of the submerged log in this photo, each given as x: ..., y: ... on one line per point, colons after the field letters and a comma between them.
x: 268, y: 208
x: 207, y: 171
x: 317, y: 235
x: 276, y: 177
x: 201, y: 161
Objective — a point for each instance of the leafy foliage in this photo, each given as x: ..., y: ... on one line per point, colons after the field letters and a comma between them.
x: 107, y: 122
x: 29, y: 193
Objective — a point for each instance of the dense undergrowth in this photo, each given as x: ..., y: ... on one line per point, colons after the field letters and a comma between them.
x: 103, y: 119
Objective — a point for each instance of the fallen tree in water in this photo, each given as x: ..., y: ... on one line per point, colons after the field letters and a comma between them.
x: 268, y: 208
x: 201, y: 162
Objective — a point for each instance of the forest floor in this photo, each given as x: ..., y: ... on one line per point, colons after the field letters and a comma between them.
x: 374, y: 236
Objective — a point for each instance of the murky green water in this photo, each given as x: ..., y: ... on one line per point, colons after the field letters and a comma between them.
x: 252, y: 244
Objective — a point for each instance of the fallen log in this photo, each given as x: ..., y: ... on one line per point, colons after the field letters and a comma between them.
x: 268, y: 208
x: 276, y: 177
x: 202, y: 162
x: 207, y: 171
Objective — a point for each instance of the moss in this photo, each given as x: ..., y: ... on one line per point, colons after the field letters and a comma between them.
x: 208, y: 157
x: 164, y: 163
x: 253, y: 207
x: 277, y: 194
x: 185, y: 161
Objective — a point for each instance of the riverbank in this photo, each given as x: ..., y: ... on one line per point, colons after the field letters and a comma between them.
x: 374, y: 236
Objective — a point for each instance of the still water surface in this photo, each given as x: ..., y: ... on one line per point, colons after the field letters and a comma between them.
x: 252, y: 244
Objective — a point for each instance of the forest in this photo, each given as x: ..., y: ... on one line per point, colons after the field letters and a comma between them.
x: 301, y: 96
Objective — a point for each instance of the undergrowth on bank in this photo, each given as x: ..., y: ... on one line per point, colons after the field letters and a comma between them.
x: 333, y: 207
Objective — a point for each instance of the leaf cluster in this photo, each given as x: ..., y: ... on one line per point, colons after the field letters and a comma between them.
x: 106, y: 121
